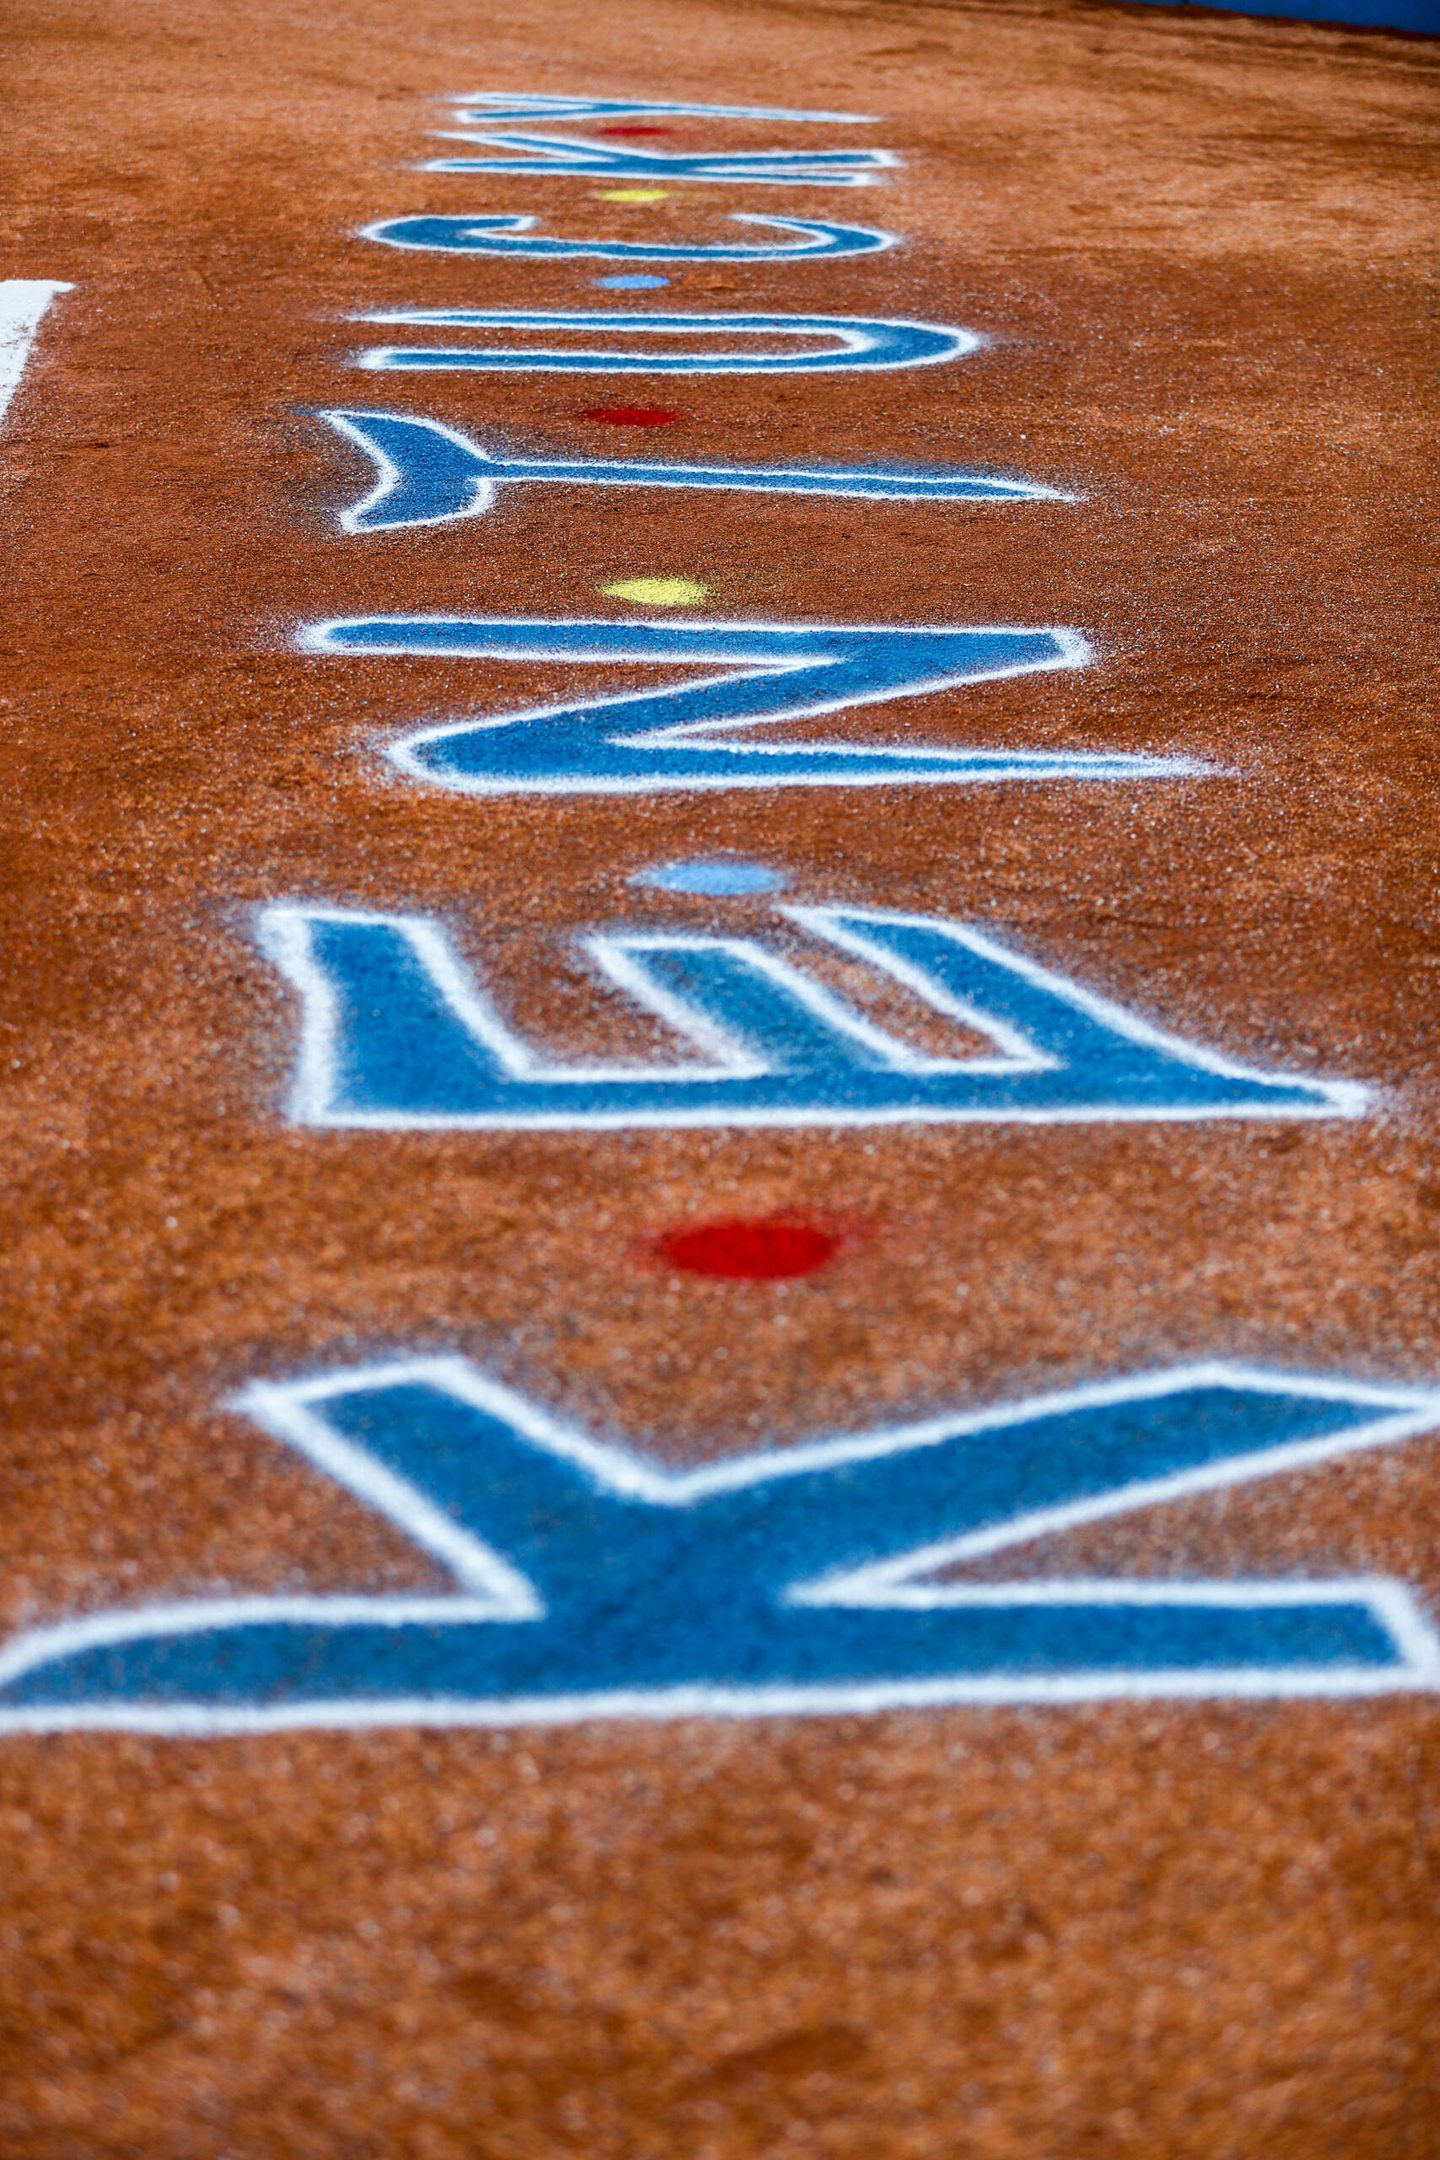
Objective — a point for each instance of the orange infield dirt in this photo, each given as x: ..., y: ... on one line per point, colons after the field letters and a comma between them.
x: 1149, y: 1930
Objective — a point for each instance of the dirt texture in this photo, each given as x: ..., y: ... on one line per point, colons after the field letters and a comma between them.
x: 1199, y: 249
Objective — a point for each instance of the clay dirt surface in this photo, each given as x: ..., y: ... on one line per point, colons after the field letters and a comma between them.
x: 1200, y: 249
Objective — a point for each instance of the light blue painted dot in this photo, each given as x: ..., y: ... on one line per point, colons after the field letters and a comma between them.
x: 630, y: 284
x: 714, y: 877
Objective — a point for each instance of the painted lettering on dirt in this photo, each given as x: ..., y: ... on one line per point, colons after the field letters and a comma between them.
x: 397, y: 1033
x: 485, y: 107
x: 556, y: 155
x: 430, y: 474
x: 696, y: 733
x: 858, y: 342
x: 589, y: 1584
x: 475, y: 235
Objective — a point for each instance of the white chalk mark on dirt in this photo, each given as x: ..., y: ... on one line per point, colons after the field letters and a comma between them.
x: 23, y: 302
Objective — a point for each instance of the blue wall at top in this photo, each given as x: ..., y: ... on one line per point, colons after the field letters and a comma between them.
x: 1421, y: 15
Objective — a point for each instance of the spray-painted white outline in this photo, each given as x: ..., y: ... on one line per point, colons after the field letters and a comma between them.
x: 284, y: 936
x: 918, y: 344
x: 23, y: 303
x: 286, y: 1410
x: 491, y: 231
x: 858, y: 485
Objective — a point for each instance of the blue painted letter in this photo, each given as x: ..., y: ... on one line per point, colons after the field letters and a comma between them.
x: 588, y: 1584
x: 860, y: 342
x: 696, y: 733
x: 486, y: 235
x: 554, y: 155
x: 430, y: 474
x: 396, y: 1033
x: 484, y: 107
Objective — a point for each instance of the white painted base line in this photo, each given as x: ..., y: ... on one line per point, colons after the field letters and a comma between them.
x: 23, y: 302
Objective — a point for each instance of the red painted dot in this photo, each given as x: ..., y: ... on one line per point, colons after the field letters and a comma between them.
x: 631, y: 415
x: 758, y: 1251
x: 636, y: 131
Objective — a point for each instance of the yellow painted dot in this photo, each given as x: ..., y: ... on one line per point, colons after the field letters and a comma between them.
x: 632, y: 194
x: 658, y: 591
